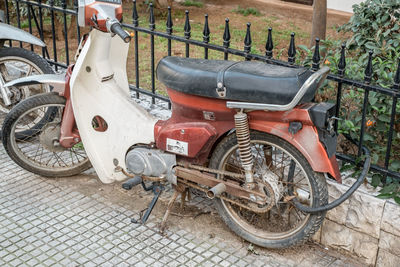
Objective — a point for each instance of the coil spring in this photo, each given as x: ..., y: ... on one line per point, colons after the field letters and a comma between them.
x: 243, y: 139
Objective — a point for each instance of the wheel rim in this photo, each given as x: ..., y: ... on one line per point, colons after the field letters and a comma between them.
x: 274, y: 224
x: 36, y: 148
x: 14, y: 67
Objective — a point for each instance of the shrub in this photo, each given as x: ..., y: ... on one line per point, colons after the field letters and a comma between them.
x: 192, y: 3
x: 375, y: 25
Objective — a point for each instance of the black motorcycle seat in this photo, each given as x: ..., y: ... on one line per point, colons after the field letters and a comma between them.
x: 247, y: 81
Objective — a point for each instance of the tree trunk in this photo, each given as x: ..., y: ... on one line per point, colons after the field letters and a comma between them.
x: 318, y: 21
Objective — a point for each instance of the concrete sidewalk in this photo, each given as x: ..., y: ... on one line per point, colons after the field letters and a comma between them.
x: 78, y: 221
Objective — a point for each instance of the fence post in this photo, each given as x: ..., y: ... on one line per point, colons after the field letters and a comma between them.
x: 395, y: 87
x: 135, y: 22
x: 227, y: 38
x: 292, y: 50
x: 316, y: 57
x: 247, y: 41
x: 152, y: 27
x: 187, y: 29
x: 367, y: 79
x: 169, y: 29
x: 53, y: 34
x: 269, y: 45
x: 206, y: 35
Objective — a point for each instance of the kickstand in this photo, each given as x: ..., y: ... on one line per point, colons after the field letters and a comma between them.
x: 157, y: 190
x: 179, y: 189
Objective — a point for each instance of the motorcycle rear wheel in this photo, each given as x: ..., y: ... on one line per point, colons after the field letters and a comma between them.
x: 38, y: 152
x: 272, y: 229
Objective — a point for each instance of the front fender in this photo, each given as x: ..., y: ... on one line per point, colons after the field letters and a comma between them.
x: 55, y: 80
x: 8, y: 32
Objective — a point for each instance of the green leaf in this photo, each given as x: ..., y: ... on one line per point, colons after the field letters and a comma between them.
x: 384, y: 196
x: 376, y: 180
x: 397, y: 199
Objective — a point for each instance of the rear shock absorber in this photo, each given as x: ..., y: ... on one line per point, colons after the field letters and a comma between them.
x: 243, y: 139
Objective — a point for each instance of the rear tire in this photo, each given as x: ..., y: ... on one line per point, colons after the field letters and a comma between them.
x: 26, y: 151
x: 264, y: 229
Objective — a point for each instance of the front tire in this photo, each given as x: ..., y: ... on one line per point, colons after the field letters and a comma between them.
x: 272, y: 229
x: 38, y: 152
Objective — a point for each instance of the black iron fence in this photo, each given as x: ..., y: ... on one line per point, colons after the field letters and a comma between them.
x: 34, y: 14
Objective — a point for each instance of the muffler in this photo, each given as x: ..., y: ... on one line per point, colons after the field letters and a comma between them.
x: 216, y: 191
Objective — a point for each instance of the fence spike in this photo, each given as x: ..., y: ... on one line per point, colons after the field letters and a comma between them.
x: 292, y: 50
x: 135, y: 16
x: 187, y: 27
x: 342, y: 61
x: 169, y: 23
x: 206, y: 30
x: 316, y: 57
x: 368, y: 70
x: 152, y: 21
x: 227, y: 34
x: 63, y: 3
x: 269, y: 45
x: 396, y: 84
x: 247, y: 39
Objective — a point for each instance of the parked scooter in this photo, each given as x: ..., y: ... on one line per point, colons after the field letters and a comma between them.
x: 245, y: 133
x: 15, y: 63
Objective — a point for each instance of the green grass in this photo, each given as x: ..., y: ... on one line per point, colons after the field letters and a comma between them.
x: 247, y: 11
x: 192, y: 3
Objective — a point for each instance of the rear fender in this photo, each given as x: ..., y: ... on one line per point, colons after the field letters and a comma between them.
x: 306, y: 141
x: 55, y: 80
x: 8, y: 32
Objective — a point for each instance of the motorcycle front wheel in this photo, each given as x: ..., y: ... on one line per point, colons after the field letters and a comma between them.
x: 17, y: 63
x: 39, y: 151
x: 285, y: 169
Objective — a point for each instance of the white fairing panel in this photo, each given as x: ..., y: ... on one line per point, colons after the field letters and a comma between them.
x: 99, y: 87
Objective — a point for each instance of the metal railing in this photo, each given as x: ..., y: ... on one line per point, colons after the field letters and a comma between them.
x: 35, y: 13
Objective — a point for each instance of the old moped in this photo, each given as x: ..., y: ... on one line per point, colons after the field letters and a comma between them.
x: 247, y: 134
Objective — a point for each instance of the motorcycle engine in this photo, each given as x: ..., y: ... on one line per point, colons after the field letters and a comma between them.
x: 151, y: 162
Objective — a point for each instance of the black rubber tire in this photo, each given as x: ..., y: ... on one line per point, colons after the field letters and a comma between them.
x: 28, y: 55
x: 12, y: 118
x: 317, y: 182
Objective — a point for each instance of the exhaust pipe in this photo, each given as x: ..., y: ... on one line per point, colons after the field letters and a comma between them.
x: 216, y: 191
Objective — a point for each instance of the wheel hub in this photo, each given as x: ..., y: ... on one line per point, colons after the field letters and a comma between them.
x: 49, y: 138
x: 272, y: 180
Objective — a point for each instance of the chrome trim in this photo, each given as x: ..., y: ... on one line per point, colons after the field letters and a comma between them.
x: 318, y: 76
x: 55, y: 80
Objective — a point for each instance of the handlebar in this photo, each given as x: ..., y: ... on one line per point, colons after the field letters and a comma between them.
x: 117, y: 29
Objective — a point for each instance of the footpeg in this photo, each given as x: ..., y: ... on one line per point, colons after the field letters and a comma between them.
x: 157, y: 189
x: 128, y: 185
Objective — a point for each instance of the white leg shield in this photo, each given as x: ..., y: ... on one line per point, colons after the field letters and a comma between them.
x: 99, y: 87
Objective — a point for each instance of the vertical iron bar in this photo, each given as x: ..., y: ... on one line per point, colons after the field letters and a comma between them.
x: 367, y: 79
x: 247, y: 41
x: 169, y: 24
x: 53, y: 33
x: 18, y: 18
x: 292, y: 50
x: 152, y: 27
x: 135, y: 21
x: 8, y: 19
x: 341, y: 69
x: 78, y: 30
x: 396, y: 87
x: 206, y: 35
x: 316, y: 57
x: 227, y: 38
x: 64, y: 6
x: 269, y: 45
x: 41, y: 26
x: 187, y: 29
x: 29, y: 22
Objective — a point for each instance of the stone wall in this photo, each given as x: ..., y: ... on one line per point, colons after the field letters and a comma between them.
x: 365, y: 226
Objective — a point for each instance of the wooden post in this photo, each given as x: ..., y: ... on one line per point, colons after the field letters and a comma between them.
x: 318, y: 21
